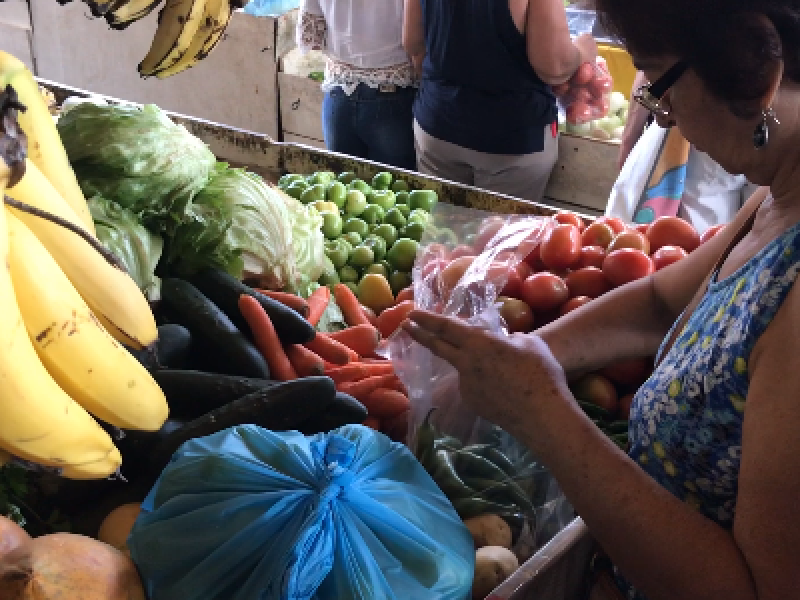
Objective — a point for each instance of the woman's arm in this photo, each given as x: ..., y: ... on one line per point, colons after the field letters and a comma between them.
x: 551, y: 51
x: 633, y: 320
x: 637, y: 119
x: 413, y: 32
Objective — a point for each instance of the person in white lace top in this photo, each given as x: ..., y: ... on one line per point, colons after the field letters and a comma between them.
x: 369, y: 79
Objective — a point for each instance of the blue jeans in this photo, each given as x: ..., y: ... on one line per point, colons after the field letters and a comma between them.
x: 371, y: 124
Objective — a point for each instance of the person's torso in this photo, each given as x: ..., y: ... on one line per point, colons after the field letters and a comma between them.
x: 686, y: 420
x: 478, y: 88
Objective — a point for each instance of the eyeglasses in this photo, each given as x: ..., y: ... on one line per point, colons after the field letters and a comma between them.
x: 651, y: 95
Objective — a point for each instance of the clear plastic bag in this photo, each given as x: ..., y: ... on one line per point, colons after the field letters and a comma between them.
x: 532, y: 503
x: 587, y: 95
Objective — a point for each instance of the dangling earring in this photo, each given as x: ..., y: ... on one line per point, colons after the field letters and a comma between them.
x: 761, y: 134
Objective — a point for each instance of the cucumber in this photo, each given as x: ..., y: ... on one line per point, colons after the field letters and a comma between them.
x: 344, y: 410
x: 224, y: 290
x: 191, y: 394
x: 187, y: 306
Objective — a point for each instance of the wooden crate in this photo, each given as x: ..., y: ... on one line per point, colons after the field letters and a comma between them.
x: 301, y: 108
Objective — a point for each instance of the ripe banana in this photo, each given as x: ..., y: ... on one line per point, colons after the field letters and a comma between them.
x: 99, y: 469
x: 101, y: 7
x: 107, y: 290
x: 133, y: 10
x: 217, y: 14
x: 88, y: 364
x: 45, y: 149
x: 178, y: 23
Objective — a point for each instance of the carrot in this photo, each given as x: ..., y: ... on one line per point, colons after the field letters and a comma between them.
x: 359, y: 338
x: 361, y: 389
x: 397, y: 386
x: 304, y: 361
x: 349, y: 305
x: 405, y: 294
x: 331, y: 350
x: 370, y: 314
x: 317, y: 303
x: 390, y: 319
x: 385, y: 403
x: 358, y: 371
x: 294, y: 302
x: 372, y: 423
x: 266, y: 339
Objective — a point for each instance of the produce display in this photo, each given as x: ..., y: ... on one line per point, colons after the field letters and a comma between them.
x: 187, y: 31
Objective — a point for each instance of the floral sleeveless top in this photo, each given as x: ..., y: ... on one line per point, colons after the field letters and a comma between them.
x: 686, y: 420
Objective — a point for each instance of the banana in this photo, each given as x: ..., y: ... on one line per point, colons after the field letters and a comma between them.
x: 45, y: 149
x: 107, y: 290
x: 215, y: 37
x: 217, y: 14
x: 88, y: 364
x: 178, y: 23
x: 100, y: 7
x: 130, y: 12
x: 99, y: 469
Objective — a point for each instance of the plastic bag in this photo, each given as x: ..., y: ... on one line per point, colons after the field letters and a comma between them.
x: 534, y: 507
x: 270, y: 8
x: 587, y: 95
x: 250, y: 514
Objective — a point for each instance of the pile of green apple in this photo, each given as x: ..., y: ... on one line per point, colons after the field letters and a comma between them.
x: 370, y: 227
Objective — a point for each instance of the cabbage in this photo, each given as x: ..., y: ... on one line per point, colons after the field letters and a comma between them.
x: 308, y: 243
x: 139, y: 250
x: 138, y: 158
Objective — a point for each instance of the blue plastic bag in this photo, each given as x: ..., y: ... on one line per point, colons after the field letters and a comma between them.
x: 270, y: 8
x: 252, y: 514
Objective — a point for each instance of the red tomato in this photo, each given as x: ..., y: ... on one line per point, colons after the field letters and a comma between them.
x: 453, y: 272
x: 589, y: 281
x: 581, y: 94
x: 534, y: 259
x: 461, y: 250
x: 524, y: 270
x: 569, y: 218
x: 601, y: 85
x: 517, y: 315
x: 592, y: 256
x: 584, y: 74
x: 432, y: 251
x: 579, y: 113
x: 634, y: 371
x: 544, y: 292
x: 572, y: 304
x: 561, y: 247
x: 434, y: 267
x: 489, y: 228
x: 630, y: 239
x: 710, y: 233
x: 625, y: 265
x: 642, y: 227
x: 598, y: 390
x: 625, y: 406
x: 501, y: 272
x: 666, y: 255
x: 616, y: 224
x: 597, y: 234
x: 672, y: 231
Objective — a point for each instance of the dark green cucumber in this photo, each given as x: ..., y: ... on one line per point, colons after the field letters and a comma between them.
x: 189, y: 307
x: 344, y: 410
x: 281, y: 407
x: 191, y: 394
x: 224, y: 290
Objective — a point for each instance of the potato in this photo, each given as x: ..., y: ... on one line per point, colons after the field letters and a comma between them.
x: 116, y: 527
x: 489, y: 530
x: 493, y: 565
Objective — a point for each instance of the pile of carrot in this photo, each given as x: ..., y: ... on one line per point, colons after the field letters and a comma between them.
x: 347, y: 357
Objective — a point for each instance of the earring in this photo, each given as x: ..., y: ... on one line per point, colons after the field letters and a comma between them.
x: 761, y: 134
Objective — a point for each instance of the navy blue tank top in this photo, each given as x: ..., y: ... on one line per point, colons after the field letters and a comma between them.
x: 478, y: 89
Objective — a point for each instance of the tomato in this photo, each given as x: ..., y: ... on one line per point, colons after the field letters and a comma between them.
x: 489, y: 228
x: 585, y: 73
x: 579, y: 113
x: 569, y: 218
x: 642, y: 227
x: 561, y: 247
x: 625, y: 406
x: 625, y: 265
x: 453, y: 272
x: 591, y: 256
x: 589, y: 281
x: 517, y: 315
x: 434, y: 267
x: 616, y: 224
x: 633, y: 371
x: 461, y: 250
x: 500, y: 272
x: 544, y: 292
x: 580, y: 94
x: 710, y: 233
x: 524, y: 270
x: 598, y: 390
x: 630, y: 239
x: 572, y: 304
x: 666, y: 255
x: 601, y: 85
x: 597, y: 234
x: 672, y: 231
x: 534, y: 259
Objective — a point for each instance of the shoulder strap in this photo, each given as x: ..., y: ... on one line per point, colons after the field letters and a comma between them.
x: 743, y: 230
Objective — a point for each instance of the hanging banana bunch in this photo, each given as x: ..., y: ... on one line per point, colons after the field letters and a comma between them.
x: 187, y: 32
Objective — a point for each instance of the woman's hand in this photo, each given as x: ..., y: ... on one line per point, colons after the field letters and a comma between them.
x: 502, y: 378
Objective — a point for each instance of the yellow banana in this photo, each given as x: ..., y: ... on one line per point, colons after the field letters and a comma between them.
x: 130, y: 12
x: 88, y: 364
x: 107, y: 290
x: 178, y: 23
x: 99, y: 469
x: 217, y: 14
x: 45, y: 149
x: 216, y: 36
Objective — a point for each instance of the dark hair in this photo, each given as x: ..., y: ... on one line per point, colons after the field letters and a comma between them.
x: 734, y: 46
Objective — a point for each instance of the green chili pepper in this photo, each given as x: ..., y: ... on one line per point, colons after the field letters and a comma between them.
x: 426, y: 435
x: 620, y: 439
x: 474, y: 507
x: 618, y: 427
x: 447, y: 442
x: 595, y: 412
x: 473, y: 465
x: 500, y: 460
x: 447, y: 478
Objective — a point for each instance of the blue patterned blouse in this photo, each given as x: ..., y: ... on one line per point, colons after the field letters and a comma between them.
x: 686, y: 420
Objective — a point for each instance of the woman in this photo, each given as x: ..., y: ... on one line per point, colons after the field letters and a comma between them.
x: 705, y: 194
x: 369, y: 80
x: 704, y: 505
x: 485, y: 114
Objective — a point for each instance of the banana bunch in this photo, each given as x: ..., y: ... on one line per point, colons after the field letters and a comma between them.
x: 64, y: 309
x: 187, y: 32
